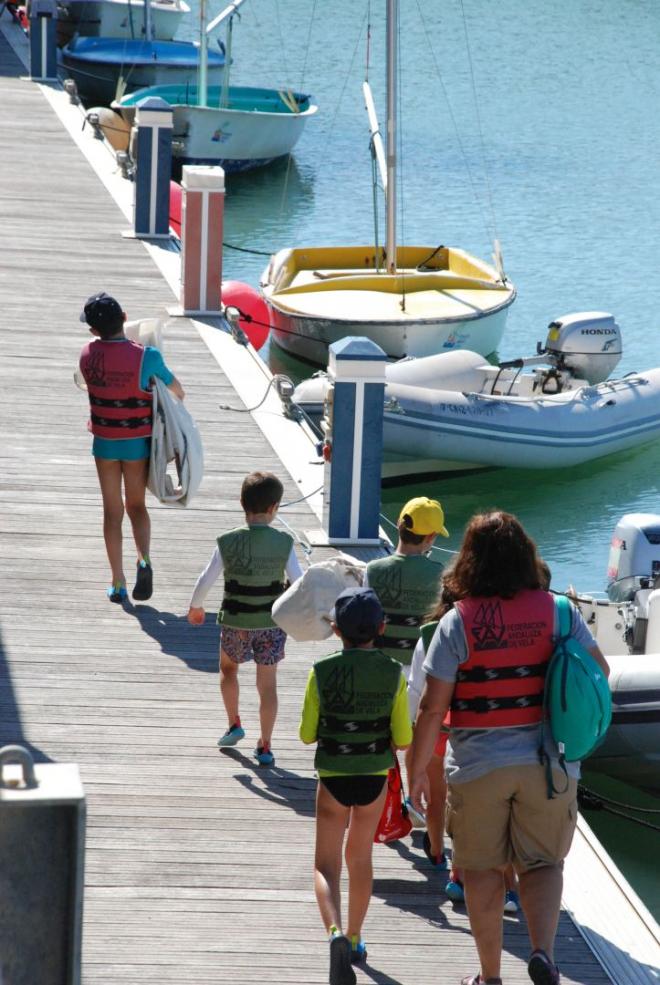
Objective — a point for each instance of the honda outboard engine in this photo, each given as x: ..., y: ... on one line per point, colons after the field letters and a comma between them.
x: 587, y: 344
x: 633, y: 573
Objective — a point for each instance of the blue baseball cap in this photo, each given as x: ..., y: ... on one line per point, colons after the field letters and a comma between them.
x: 358, y: 614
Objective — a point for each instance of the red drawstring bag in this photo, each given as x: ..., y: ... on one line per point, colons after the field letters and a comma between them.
x: 394, y: 821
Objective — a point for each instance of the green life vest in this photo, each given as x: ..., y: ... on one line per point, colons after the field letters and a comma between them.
x: 407, y: 586
x: 254, y: 559
x: 356, y: 689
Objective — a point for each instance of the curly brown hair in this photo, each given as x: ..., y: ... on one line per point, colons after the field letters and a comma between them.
x: 496, y: 557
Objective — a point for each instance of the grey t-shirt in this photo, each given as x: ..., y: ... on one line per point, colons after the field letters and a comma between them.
x: 473, y: 752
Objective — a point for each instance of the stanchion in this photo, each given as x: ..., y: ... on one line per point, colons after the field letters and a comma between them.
x: 153, y: 152
x: 201, y: 240
x: 43, y: 40
x: 353, y: 446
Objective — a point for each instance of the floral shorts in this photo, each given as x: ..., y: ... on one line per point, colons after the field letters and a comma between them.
x: 266, y: 646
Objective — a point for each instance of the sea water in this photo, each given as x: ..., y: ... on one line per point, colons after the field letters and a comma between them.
x: 533, y: 122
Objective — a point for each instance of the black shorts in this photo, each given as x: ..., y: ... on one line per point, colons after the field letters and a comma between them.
x: 354, y: 791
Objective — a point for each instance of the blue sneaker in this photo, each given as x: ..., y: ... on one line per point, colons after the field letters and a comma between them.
x: 455, y: 892
x: 358, y: 950
x: 264, y: 756
x: 511, y: 901
x: 117, y: 593
x: 231, y: 736
x: 418, y: 820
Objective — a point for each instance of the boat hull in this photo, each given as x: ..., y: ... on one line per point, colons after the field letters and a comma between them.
x: 438, y: 300
x: 119, y: 18
x: 256, y: 128
x: 99, y: 66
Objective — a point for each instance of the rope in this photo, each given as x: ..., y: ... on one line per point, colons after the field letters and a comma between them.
x: 591, y: 801
x: 618, y: 803
x: 244, y: 249
x: 305, y: 545
x: 248, y: 410
x: 443, y: 550
x: 302, y: 499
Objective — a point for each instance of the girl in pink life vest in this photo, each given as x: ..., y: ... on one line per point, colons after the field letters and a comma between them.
x: 486, y: 665
x: 118, y: 372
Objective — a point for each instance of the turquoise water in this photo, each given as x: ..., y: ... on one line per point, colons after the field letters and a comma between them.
x: 542, y: 128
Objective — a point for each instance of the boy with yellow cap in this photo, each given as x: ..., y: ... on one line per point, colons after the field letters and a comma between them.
x: 407, y: 584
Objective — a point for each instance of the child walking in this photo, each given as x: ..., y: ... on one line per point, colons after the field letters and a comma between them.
x: 356, y: 710
x: 118, y: 374
x: 255, y: 560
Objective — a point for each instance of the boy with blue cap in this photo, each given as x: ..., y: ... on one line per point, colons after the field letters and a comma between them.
x: 356, y: 710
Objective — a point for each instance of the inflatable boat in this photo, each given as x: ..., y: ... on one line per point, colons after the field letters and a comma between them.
x: 626, y: 625
x: 456, y: 412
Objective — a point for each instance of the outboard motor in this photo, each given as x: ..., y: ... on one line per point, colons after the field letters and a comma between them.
x: 633, y: 573
x: 587, y: 344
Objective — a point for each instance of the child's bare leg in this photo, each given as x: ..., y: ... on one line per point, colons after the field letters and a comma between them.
x: 331, y: 820
x: 229, y: 686
x: 267, y: 688
x: 135, y: 487
x: 359, y: 849
x: 109, y: 473
x: 435, y: 811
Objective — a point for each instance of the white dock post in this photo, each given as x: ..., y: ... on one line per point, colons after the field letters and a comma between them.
x: 202, y: 212
x: 354, y: 440
x: 43, y: 40
x: 153, y: 120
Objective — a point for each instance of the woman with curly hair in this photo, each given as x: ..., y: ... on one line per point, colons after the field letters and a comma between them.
x: 486, y: 665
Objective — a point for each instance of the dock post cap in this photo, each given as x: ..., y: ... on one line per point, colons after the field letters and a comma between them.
x: 155, y: 103
x: 202, y: 177
x: 20, y: 755
x: 43, y: 8
x: 357, y: 347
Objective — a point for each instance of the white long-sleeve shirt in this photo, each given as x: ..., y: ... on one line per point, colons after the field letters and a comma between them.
x: 215, y: 567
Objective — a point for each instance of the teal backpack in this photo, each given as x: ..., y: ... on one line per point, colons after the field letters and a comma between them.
x: 577, y: 700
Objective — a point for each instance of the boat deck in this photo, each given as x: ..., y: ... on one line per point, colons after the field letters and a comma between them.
x: 198, y: 864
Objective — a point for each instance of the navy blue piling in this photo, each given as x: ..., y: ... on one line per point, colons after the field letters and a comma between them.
x: 153, y: 120
x: 352, y: 479
x: 43, y: 40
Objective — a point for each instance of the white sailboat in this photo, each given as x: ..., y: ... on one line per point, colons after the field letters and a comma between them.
x: 411, y: 300
x: 237, y: 127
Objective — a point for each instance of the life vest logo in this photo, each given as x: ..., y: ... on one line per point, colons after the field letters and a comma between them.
x: 339, y: 690
x: 488, y: 628
x: 95, y: 369
x: 389, y: 589
x: 238, y: 556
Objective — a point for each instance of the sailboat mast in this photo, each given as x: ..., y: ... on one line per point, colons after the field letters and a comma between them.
x: 202, y: 75
x: 390, y: 198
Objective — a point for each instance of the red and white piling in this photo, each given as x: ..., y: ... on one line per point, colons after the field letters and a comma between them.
x: 202, y: 215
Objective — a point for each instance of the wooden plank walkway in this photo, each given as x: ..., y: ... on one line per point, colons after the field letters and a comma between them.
x: 198, y: 866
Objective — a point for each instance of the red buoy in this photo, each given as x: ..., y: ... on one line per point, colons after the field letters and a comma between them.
x: 256, y: 318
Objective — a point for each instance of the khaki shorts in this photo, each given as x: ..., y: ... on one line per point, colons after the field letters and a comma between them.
x: 506, y: 816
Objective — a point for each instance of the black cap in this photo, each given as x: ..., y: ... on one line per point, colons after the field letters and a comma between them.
x: 358, y: 614
x: 101, y: 310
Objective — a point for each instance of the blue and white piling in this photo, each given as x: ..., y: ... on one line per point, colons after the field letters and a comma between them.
x: 43, y: 40
x: 354, y: 442
x: 154, y: 123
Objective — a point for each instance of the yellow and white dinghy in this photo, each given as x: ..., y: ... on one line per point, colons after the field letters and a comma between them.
x: 435, y: 301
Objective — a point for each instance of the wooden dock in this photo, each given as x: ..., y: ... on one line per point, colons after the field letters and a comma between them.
x: 199, y: 863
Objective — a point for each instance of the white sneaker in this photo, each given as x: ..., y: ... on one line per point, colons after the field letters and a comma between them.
x: 418, y: 819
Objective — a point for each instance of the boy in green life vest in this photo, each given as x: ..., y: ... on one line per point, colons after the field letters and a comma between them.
x: 255, y: 560
x: 407, y: 584
x: 356, y: 710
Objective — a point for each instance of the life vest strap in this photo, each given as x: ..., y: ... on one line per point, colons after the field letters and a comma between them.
x: 396, y: 642
x: 334, y: 748
x: 233, y: 606
x: 479, y: 674
x: 124, y: 423
x: 131, y: 402
x: 354, y: 726
x: 234, y: 587
x: 482, y: 705
x: 394, y: 619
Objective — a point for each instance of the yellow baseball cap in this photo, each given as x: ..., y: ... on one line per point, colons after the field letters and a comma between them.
x: 427, y: 516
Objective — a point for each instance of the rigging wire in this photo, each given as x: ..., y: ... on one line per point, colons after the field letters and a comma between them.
x: 399, y: 136
x: 490, y: 234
